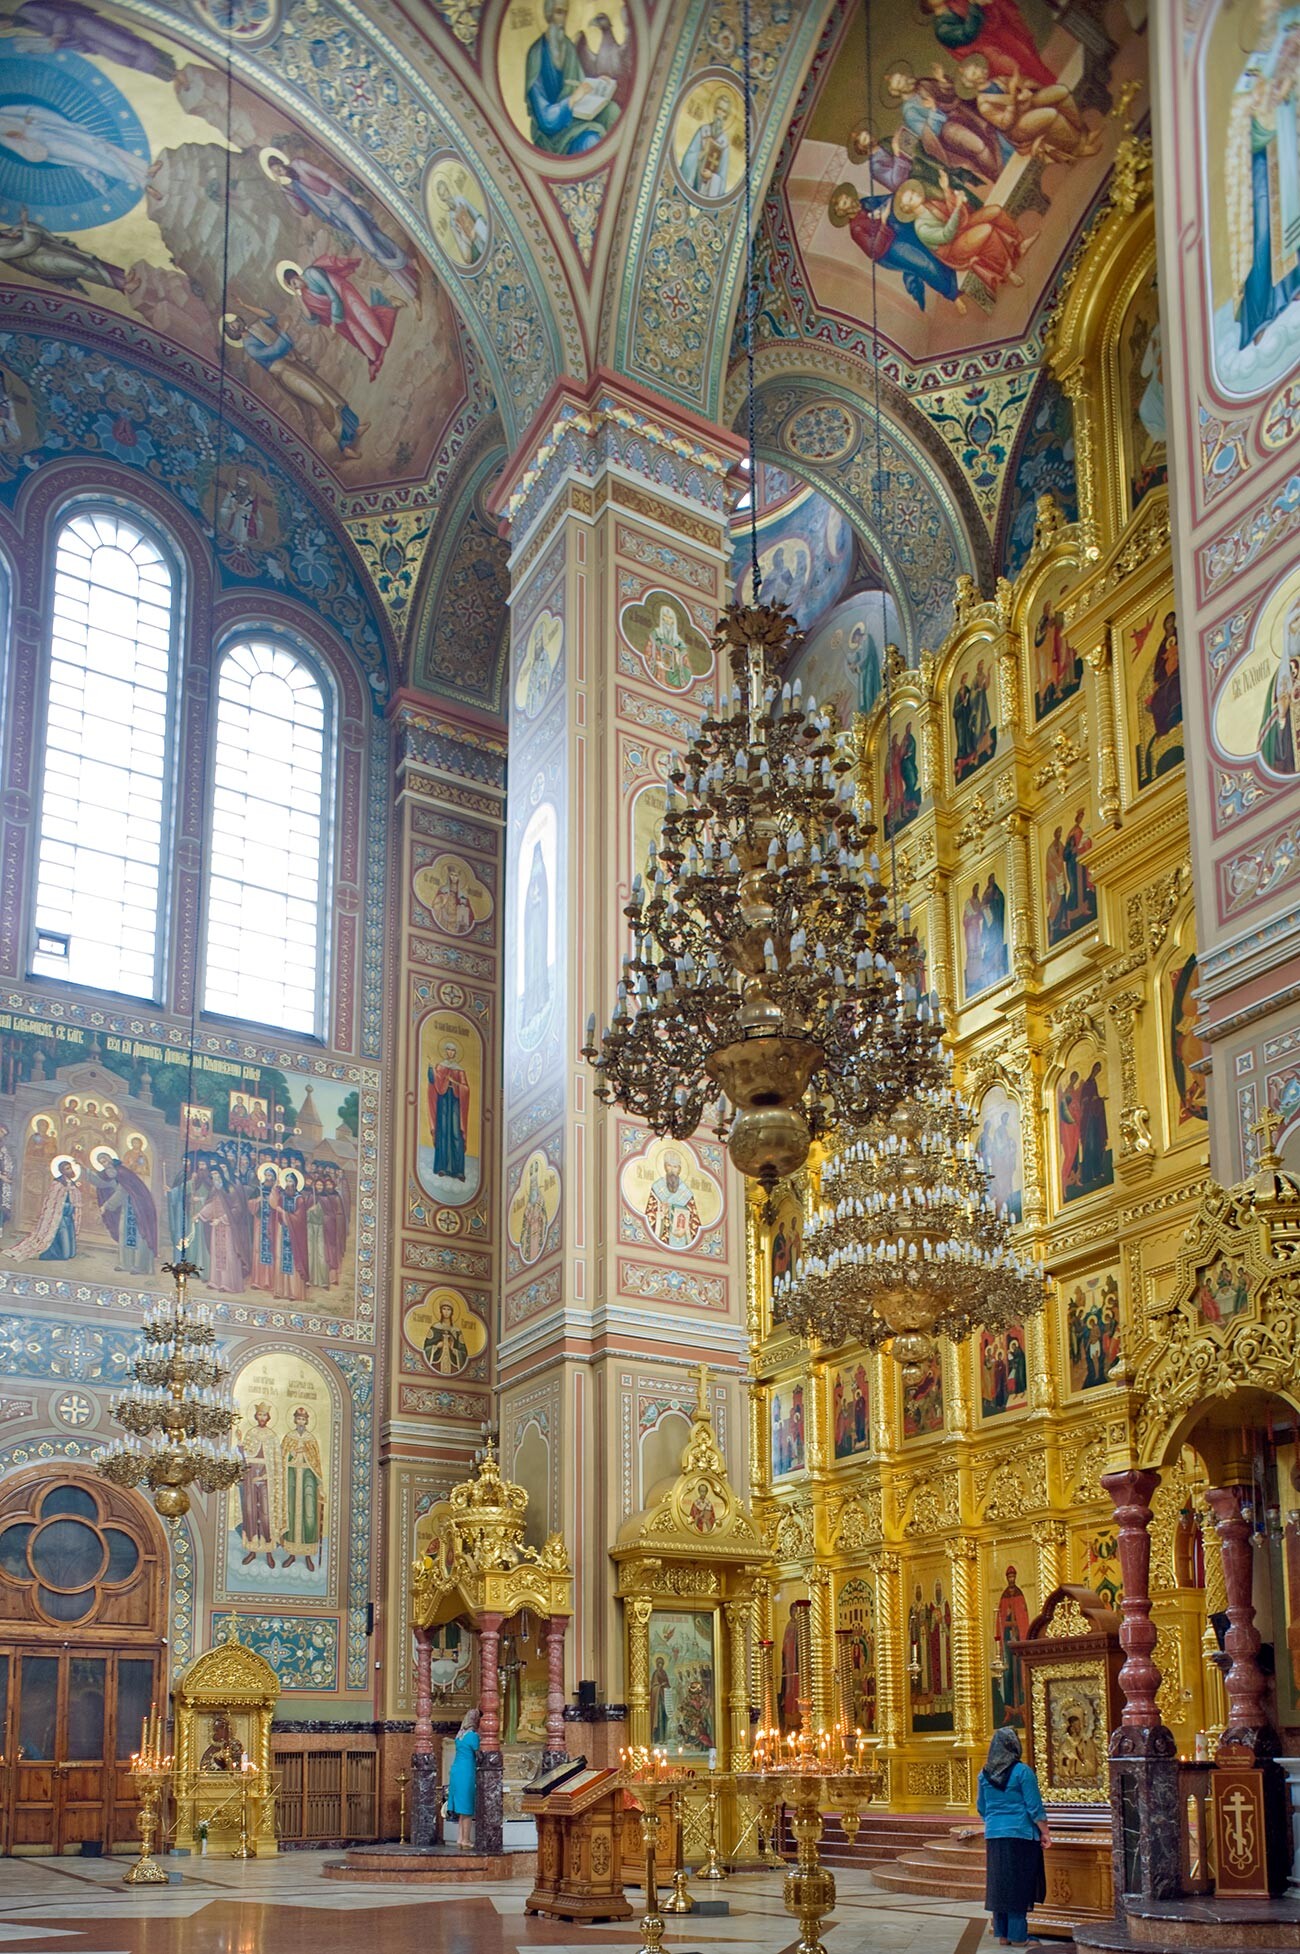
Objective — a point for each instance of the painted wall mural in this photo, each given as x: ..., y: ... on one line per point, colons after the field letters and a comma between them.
x: 1087, y: 1163
x: 1252, y: 176
x: 565, y: 72
x: 94, y: 1127
x: 806, y: 553
x: 987, y: 136
x: 540, y: 665
x: 855, y: 1615
x: 1055, y: 666
x: 452, y: 897
x: 110, y: 160
x: 533, y: 1207
x: 902, y: 776
x: 449, y: 1161
x: 283, y: 1516
x: 974, y: 719
x: 683, y: 1682
x: 672, y: 649
x: 1042, y: 463
x: 708, y: 138
x: 1257, y: 709
x: 536, y: 927
x: 458, y: 212
x: 675, y: 1198
x: 446, y: 1331
x: 1010, y: 1625
x: 841, y: 662
x: 1186, y: 1049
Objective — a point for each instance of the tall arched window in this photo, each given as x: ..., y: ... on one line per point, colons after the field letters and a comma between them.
x: 106, y: 798
x: 266, y: 884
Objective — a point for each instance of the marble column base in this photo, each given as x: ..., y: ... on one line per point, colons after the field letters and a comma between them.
x: 426, y: 1800
x: 489, y: 1800
x: 550, y: 1758
x: 1146, y: 1815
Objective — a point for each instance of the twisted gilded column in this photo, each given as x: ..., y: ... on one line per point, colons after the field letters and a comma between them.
x: 1216, y: 1603
x: 736, y: 1616
x: 1023, y: 955
x: 1049, y: 1539
x: 823, y: 1653
x: 889, y: 1649
x: 966, y: 1685
x: 1075, y: 386
x: 1105, y: 753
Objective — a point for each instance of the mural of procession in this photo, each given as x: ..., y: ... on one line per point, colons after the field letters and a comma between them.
x: 95, y: 1185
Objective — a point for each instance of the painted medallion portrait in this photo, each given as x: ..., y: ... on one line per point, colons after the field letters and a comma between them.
x: 533, y: 1207
x: 1257, y: 709
x: 451, y: 893
x: 675, y: 1198
x: 539, y: 663
x: 565, y: 70
x: 458, y: 213
x: 444, y: 1329
x: 708, y: 139
x: 674, y: 651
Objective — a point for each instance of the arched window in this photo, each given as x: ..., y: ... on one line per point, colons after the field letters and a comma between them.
x: 106, y: 799
x: 266, y: 881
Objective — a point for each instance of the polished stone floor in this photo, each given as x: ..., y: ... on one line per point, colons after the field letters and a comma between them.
x: 283, y: 1906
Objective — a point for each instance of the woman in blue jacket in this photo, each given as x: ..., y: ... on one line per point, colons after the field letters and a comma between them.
x: 463, y: 1777
x: 1015, y: 1832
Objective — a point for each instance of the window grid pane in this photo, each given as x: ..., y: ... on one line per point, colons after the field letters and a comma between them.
x: 99, y: 872
x: 264, y: 873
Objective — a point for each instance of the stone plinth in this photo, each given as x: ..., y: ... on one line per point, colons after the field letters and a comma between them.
x: 410, y: 1865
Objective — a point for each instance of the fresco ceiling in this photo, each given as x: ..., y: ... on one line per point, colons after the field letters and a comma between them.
x: 441, y: 207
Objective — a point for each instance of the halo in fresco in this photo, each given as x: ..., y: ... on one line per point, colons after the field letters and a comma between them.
x: 533, y: 1206
x: 458, y: 213
x: 1257, y: 713
x: 708, y: 139
x: 660, y: 630
x: 73, y: 152
x: 566, y: 80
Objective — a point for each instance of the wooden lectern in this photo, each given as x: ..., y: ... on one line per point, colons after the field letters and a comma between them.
x: 579, y: 1813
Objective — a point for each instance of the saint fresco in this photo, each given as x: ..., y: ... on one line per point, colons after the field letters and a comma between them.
x: 975, y: 737
x: 709, y: 139
x: 1010, y: 1625
x: 1069, y: 895
x: 660, y: 629
x: 984, y: 934
x: 536, y: 949
x: 278, y: 1520
x: 566, y: 70
x: 1094, y: 1338
x: 787, y: 1430
x: 999, y: 1149
x: 450, y: 1112
x: 929, y: 1667
x: 675, y: 1198
x: 533, y: 1207
x: 110, y: 156
x: 95, y: 1186
x: 850, y: 1410
x: 1083, y: 1127
x: 1257, y: 702
x: 948, y: 198
x: 1158, y: 696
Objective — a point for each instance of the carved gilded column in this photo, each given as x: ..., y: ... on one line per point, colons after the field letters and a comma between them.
x: 736, y: 1616
x: 823, y: 1652
x: 942, y: 975
x: 1049, y: 1538
x: 1075, y: 386
x: 889, y: 1650
x: 1023, y: 955
x: 636, y: 1614
x: 1216, y: 1603
x: 1042, y: 1385
x: 967, y: 1720
x: 815, y: 1451
x: 956, y: 1386
x: 1136, y: 1149
x: 1105, y: 752
x: 756, y: 1289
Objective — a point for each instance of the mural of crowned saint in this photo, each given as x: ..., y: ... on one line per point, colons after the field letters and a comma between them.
x: 650, y: 965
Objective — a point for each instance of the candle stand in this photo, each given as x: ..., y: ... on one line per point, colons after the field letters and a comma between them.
x: 811, y: 1773
x: 150, y: 1771
x: 680, y: 1899
x: 654, y: 1782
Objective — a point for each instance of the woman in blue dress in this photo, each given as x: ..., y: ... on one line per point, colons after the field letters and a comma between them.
x: 464, y: 1777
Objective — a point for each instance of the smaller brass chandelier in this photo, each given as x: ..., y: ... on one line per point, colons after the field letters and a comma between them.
x: 766, y: 969
x: 908, y: 1244
x: 177, y: 1415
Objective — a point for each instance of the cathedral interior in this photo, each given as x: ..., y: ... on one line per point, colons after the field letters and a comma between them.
x: 480, y: 1243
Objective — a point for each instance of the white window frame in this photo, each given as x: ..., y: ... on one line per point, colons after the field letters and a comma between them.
x: 150, y: 526
x: 305, y: 652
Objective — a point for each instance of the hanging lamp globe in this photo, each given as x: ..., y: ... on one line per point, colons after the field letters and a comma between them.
x: 768, y: 982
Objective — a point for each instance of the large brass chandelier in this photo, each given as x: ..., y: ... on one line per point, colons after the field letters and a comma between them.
x: 907, y: 1243
x: 177, y: 1415
x: 767, y: 978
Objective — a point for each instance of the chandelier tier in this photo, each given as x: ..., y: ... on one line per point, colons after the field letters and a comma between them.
x: 766, y: 969
x: 177, y: 1415
x: 908, y: 1243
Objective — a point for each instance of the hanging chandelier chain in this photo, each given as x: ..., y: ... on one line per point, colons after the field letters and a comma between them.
x: 751, y: 294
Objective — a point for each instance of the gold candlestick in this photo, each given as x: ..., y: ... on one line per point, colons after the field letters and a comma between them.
x: 679, y: 1900
x: 247, y: 1847
x: 711, y: 1869
x: 402, y: 1781
x: 150, y: 1771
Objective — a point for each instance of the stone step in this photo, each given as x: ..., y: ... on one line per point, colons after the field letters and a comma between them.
x: 918, y: 1873
x: 1208, y: 1926
x: 396, y: 1865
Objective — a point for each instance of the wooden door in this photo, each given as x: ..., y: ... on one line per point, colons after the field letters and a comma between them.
x: 81, y: 1595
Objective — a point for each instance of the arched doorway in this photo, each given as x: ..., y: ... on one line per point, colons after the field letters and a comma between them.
x: 82, y: 1607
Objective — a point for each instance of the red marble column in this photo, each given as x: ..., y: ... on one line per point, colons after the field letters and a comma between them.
x: 1244, y: 1684
x: 1131, y: 1491
x: 556, y: 1629
x: 489, y: 1683
x: 423, y: 1745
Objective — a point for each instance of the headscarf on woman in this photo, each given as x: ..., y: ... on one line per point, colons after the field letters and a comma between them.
x: 1003, y: 1757
x: 468, y: 1722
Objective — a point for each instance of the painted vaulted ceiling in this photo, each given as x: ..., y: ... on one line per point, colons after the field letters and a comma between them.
x: 431, y: 221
